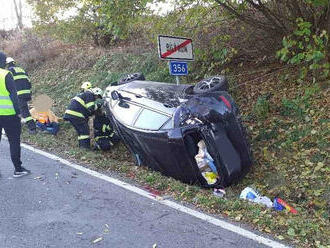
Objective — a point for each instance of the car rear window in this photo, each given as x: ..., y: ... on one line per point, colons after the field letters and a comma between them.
x: 150, y: 120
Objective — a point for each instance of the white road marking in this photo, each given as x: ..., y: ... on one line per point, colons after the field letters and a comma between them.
x: 217, y: 222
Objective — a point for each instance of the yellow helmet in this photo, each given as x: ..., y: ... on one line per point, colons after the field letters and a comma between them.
x: 86, y: 85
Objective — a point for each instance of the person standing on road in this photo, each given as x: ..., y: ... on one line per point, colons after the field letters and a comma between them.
x: 9, y: 119
x: 81, y: 107
x: 23, y: 87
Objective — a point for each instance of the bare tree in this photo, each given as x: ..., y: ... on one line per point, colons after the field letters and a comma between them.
x: 19, y: 15
x: 279, y: 16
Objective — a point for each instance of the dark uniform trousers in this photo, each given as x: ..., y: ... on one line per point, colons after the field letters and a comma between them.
x: 82, y: 128
x: 23, y: 106
x: 12, y: 127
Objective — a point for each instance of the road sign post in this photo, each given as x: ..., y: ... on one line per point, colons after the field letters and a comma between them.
x: 178, y: 50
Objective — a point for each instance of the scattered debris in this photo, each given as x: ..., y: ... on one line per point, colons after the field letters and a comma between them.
x: 206, y: 164
x: 97, y: 240
x: 219, y: 192
x: 254, y: 196
x: 279, y: 205
x: 106, y: 229
x: 79, y: 233
x: 154, y: 246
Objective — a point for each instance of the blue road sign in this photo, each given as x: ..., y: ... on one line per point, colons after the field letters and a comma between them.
x: 178, y: 68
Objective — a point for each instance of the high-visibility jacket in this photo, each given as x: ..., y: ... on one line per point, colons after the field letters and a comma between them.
x: 6, y: 104
x: 22, y: 82
x: 81, y: 106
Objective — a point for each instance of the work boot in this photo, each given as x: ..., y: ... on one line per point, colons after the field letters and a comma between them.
x: 21, y: 172
x: 85, y: 144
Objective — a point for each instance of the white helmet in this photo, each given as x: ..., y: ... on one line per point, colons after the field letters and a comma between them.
x: 9, y: 60
x: 86, y: 85
x: 96, y: 91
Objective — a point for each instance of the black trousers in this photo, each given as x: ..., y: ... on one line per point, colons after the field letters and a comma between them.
x: 82, y: 128
x: 13, y: 128
x: 23, y: 106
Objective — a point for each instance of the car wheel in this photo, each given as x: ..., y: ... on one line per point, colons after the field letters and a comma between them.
x: 131, y: 77
x: 216, y: 83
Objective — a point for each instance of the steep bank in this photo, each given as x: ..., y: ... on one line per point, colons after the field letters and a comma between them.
x: 288, y: 124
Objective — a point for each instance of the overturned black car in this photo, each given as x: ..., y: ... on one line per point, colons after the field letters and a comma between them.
x: 165, y: 126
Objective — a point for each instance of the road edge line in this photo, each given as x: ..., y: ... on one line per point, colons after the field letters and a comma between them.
x: 217, y: 222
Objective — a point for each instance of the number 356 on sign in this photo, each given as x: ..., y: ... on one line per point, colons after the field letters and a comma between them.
x: 178, y: 68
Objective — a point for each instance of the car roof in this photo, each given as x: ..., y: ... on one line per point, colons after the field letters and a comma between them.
x: 164, y: 93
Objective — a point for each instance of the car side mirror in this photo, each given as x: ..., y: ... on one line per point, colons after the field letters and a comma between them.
x: 114, y: 95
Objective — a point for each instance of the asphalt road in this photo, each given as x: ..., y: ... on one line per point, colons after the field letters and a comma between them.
x: 58, y: 206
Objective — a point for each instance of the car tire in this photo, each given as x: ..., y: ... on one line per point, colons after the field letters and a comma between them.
x: 215, y: 83
x: 131, y: 77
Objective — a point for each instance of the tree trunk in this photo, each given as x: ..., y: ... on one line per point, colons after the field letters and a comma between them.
x: 18, y: 11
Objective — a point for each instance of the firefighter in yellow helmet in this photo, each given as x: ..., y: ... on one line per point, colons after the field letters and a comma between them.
x: 81, y: 107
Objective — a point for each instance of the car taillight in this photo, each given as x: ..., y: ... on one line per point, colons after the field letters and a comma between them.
x: 225, y: 101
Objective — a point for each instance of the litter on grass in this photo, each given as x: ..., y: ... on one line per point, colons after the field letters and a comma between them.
x: 278, y: 204
x: 253, y: 195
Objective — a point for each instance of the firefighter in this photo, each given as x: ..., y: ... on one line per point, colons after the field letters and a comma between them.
x: 104, y: 135
x: 23, y: 87
x: 81, y: 107
x: 9, y: 120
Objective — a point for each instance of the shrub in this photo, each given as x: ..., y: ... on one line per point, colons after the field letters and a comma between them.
x: 308, y: 49
x: 29, y: 50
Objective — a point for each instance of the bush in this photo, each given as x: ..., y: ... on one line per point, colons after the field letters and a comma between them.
x: 30, y: 50
x: 308, y: 49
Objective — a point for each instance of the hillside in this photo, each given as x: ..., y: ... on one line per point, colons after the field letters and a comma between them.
x: 288, y: 124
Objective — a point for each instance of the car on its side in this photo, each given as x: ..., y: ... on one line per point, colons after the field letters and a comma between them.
x: 162, y: 123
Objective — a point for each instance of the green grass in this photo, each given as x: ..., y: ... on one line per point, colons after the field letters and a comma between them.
x: 289, y: 132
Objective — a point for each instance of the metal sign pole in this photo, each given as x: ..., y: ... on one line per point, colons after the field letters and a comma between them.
x: 177, y: 80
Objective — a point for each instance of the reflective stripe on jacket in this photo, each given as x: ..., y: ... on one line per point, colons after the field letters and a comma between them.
x: 81, y: 106
x: 22, y: 82
x: 6, y: 104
